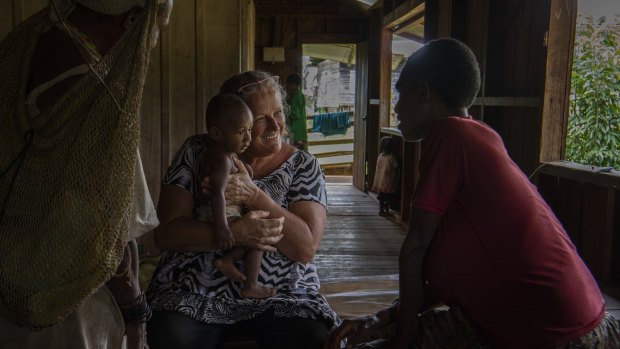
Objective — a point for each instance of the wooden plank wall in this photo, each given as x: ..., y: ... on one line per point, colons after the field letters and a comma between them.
x: 373, y: 122
x: 291, y: 23
x: 361, y: 112
x: 206, y: 42
x: 475, y: 34
x: 589, y: 210
x: 515, y: 66
x: 561, y: 41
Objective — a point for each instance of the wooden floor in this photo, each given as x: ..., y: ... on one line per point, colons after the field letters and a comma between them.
x: 358, y: 256
x: 357, y: 260
x: 357, y: 242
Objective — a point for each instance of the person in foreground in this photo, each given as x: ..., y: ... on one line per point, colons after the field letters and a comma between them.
x: 194, y: 304
x: 481, y: 239
x: 73, y: 190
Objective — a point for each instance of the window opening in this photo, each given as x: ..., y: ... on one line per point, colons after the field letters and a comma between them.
x: 593, y: 135
x: 407, y: 38
x: 402, y: 48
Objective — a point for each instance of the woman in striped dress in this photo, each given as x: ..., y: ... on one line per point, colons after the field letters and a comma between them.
x: 194, y: 305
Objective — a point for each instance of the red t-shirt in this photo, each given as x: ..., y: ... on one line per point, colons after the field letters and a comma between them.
x: 500, y: 253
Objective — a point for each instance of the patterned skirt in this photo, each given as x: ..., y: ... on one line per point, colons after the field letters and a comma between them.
x: 190, y: 284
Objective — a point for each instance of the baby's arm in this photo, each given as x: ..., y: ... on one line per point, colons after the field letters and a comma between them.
x: 205, y: 170
x: 221, y: 165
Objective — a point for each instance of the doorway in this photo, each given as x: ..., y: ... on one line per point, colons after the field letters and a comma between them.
x: 329, y: 75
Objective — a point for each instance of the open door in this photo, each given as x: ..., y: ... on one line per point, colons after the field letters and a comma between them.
x: 361, y: 109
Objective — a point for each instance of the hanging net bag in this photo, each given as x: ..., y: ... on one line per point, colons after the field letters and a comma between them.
x: 66, y: 175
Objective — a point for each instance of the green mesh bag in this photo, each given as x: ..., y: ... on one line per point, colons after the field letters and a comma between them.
x: 66, y: 175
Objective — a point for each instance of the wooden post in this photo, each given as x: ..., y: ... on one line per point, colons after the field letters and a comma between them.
x: 374, y: 92
x: 200, y: 62
x: 560, y: 42
x: 444, y: 27
x: 361, y: 112
x: 385, y: 78
x: 166, y: 152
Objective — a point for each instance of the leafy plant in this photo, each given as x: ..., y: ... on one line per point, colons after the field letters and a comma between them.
x: 594, y: 122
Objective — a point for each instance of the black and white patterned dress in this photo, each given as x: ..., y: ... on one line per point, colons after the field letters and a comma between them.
x: 190, y: 284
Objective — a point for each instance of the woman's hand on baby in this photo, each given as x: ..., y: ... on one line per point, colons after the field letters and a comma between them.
x: 240, y: 188
x: 257, y: 231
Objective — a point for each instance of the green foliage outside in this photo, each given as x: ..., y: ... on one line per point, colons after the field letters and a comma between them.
x: 594, y: 122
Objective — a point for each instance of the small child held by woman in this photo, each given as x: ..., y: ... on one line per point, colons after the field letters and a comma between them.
x: 386, y: 176
x: 229, y: 125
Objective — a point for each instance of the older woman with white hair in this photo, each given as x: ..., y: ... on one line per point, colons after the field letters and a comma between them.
x: 72, y: 189
x: 194, y: 304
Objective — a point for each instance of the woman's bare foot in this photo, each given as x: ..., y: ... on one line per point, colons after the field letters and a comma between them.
x: 227, y: 267
x: 257, y: 291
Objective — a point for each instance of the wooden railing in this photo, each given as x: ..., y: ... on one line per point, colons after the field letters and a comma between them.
x: 334, y: 153
x: 333, y: 141
x: 311, y: 117
x: 586, y: 200
x: 334, y: 168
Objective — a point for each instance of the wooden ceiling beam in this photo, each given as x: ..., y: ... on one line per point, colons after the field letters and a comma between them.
x: 307, y: 9
x: 402, y: 27
x: 410, y: 36
x: 332, y: 38
x: 329, y: 15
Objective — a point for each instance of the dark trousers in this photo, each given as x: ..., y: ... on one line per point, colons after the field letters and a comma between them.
x: 171, y: 329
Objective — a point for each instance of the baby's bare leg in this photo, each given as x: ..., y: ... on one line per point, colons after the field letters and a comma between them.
x: 251, y: 288
x: 226, y: 264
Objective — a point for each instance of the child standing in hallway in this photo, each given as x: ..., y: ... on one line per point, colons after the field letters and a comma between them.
x: 386, y: 176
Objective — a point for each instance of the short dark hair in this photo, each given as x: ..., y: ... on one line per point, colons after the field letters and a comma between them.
x: 222, y: 104
x: 450, y: 68
x: 387, y: 145
x: 294, y: 79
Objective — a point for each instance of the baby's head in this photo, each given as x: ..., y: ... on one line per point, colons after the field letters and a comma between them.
x: 229, y: 122
x: 387, y: 145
